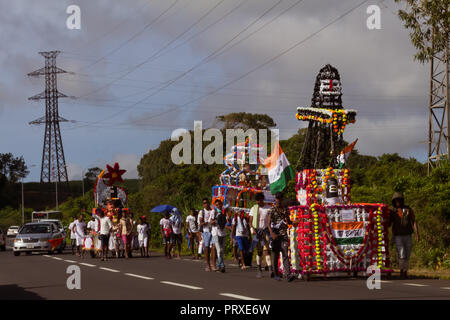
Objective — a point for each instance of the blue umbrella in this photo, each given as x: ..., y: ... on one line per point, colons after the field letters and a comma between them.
x: 162, y: 208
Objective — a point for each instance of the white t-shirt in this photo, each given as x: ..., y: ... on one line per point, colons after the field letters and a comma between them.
x: 72, y: 234
x: 206, y: 215
x: 215, y: 230
x: 93, y: 225
x: 165, y: 223
x: 190, y: 221
x: 241, y: 227
x: 263, y: 214
x: 142, y: 230
x: 176, y: 225
x: 79, y: 228
x: 105, y: 225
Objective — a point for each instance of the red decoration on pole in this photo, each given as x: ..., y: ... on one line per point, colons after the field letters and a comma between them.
x: 114, y: 174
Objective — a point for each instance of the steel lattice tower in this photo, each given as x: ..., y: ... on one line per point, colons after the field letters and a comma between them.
x: 439, y: 119
x: 53, y: 161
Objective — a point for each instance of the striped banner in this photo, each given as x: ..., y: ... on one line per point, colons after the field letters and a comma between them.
x: 348, y: 232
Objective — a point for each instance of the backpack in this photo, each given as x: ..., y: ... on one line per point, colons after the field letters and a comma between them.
x: 221, y: 220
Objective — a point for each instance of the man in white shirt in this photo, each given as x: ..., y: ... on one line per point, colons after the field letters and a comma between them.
x: 105, y: 230
x: 73, y: 238
x: 79, y: 228
x: 204, y: 218
x: 218, y: 231
x: 93, y: 226
x: 240, y: 229
x: 177, y: 227
x: 193, y: 231
x: 259, y: 223
x: 166, y: 231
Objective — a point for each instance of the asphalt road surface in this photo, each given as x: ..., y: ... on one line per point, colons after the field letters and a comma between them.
x: 42, y: 276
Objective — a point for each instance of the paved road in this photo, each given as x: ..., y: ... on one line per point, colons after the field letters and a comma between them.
x: 41, y: 276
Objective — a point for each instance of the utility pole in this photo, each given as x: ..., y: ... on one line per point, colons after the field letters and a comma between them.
x: 439, y: 119
x: 53, y: 148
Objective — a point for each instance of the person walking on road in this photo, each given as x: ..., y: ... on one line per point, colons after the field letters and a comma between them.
x: 193, y: 232
x: 105, y: 231
x: 79, y: 228
x: 240, y: 229
x: 278, y: 228
x: 177, y: 227
x: 204, y: 217
x: 403, y: 222
x: 126, y: 225
x: 73, y: 237
x: 218, y: 232
x: 259, y: 222
x: 149, y: 234
x: 143, y: 234
x: 166, y: 231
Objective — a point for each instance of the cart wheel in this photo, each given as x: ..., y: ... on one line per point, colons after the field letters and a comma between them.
x: 307, y: 277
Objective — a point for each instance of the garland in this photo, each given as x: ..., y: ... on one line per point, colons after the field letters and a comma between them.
x: 345, y: 184
x: 316, y: 237
x: 338, y: 118
x: 314, y: 225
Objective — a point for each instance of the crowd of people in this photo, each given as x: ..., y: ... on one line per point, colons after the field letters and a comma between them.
x: 264, y: 230
x: 114, y: 233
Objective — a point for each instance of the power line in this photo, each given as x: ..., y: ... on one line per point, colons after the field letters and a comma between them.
x: 134, y: 36
x: 113, y: 29
x: 287, y: 50
x: 206, y: 59
x: 163, y: 48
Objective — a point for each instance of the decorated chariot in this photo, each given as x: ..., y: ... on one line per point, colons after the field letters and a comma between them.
x: 331, y: 234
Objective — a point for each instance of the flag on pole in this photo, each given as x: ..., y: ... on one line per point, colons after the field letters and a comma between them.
x: 348, y: 149
x: 279, y: 169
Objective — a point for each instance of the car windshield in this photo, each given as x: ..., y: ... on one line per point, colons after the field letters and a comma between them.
x: 35, y: 228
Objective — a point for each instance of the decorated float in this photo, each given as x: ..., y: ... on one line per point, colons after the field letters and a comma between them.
x: 331, y: 234
x: 244, y: 177
x: 106, y: 189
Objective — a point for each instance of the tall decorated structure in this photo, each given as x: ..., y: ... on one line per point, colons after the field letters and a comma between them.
x: 332, y: 234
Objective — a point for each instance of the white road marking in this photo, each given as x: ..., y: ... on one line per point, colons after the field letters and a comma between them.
x: 47, y: 256
x: 445, y: 288
x: 236, y: 296
x: 70, y: 261
x: 108, y: 269
x: 56, y: 258
x: 415, y: 284
x: 385, y: 281
x: 87, y: 264
x: 181, y: 285
x: 138, y: 276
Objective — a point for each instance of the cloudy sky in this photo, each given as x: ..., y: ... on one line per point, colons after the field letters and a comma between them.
x: 143, y: 68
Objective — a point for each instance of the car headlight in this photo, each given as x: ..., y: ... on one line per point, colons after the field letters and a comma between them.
x: 18, y: 240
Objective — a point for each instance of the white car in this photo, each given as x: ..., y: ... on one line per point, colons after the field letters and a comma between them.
x: 13, y: 231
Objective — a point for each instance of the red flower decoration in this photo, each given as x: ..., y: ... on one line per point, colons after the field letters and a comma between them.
x: 114, y: 174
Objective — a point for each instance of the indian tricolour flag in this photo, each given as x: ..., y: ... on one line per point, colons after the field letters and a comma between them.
x: 348, y: 232
x: 279, y: 169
